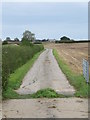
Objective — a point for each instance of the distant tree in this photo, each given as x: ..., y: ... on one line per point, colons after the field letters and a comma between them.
x: 65, y: 38
x: 8, y: 38
x: 16, y: 39
x: 29, y: 35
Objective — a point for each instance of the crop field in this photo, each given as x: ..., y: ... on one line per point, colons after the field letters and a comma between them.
x: 72, y: 53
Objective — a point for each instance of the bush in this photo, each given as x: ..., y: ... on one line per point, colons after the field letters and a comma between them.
x: 14, y: 57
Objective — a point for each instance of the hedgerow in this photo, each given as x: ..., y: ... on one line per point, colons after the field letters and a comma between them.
x: 14, y: 57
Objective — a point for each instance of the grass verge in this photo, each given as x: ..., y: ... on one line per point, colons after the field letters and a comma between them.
x: 75, y: 80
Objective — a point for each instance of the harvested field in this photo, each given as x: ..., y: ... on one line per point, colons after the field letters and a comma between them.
x: 72, y: 53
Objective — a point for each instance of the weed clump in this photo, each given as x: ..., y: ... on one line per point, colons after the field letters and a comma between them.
x: 46, y: 93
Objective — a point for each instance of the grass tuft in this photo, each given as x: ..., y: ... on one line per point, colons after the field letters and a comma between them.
x: 47, y: 93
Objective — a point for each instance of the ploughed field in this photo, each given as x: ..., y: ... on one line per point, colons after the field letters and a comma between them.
x: 72, y: 53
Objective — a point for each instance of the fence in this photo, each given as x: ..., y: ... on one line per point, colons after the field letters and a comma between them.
x: 86, y: 70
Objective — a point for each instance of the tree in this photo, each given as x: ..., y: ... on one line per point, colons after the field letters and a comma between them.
x: 29, y: 35
x: 8, y: 38
x: 64, y: 38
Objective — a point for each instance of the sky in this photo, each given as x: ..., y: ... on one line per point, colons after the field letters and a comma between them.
x: 47, y: 19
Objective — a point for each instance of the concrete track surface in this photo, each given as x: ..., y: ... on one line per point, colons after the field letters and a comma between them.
x: 45, y: 73
x: 46, y: 108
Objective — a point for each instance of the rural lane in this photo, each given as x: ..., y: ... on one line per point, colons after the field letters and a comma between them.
x: 45, y: 73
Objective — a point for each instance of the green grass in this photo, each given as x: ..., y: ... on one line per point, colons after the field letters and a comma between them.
x: 16, y: 78
x: 75, y: 80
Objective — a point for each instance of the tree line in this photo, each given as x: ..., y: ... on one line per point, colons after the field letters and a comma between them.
x: 27, y: 38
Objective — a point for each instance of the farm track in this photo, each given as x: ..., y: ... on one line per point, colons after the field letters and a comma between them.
x: 45, y: 73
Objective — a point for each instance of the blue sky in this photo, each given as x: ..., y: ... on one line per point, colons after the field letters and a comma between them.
x: 46, y: 20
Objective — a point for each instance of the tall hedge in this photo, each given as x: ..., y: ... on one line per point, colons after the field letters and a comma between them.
x: 15, y: 56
